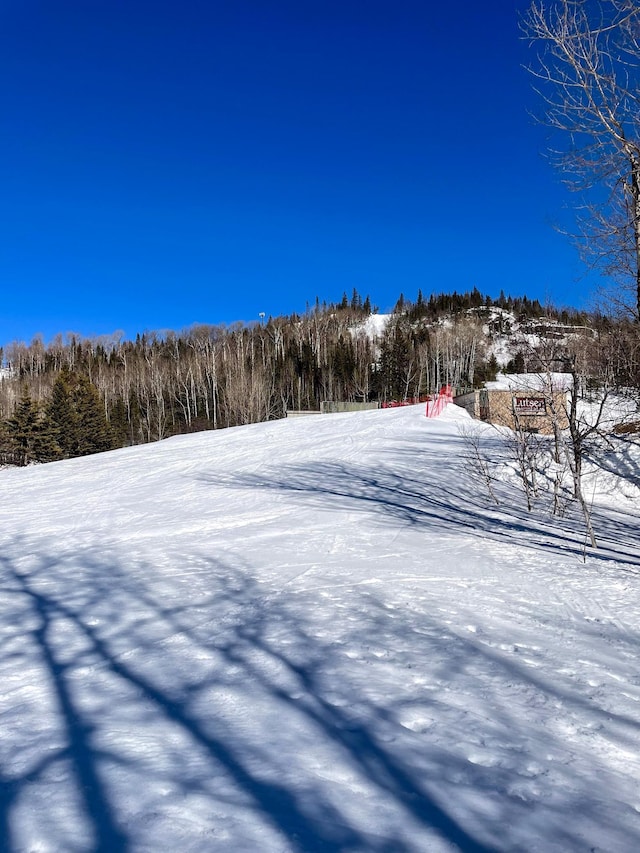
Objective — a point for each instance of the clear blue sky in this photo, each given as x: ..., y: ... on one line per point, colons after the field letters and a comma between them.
x: 164, y: 163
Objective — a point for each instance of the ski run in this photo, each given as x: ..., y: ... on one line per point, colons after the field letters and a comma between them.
x: 316, y: 634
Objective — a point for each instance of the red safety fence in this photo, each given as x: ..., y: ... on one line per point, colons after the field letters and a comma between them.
x: 436, y: 403
x: 410, y: 401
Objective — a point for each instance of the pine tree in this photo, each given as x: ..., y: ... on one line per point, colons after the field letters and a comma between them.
x: 119, y: 423
x: 31, y: 437
x: 22, y: 428
x: 62, y: 415
x: 77, y: 416
x: 92, y: 429
x: 394, y: 361
x: 46, y: 446
x: 6, y: 447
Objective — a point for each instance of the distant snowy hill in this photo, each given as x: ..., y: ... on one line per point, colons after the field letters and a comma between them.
x: 315, y: 635
x: 508, y: 335
x: 505, y: 334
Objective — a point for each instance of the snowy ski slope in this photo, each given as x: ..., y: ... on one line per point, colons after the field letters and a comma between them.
x: 313, y: 635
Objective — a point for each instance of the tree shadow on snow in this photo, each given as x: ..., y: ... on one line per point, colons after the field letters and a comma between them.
x: 624, y: 462
x: 99, y: 644
x: 421, y: 500
x: 119, y: 661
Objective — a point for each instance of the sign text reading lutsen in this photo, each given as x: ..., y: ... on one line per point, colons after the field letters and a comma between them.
x: 529, y: 405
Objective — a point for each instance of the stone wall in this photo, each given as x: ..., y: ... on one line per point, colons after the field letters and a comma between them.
x: 470, y: 402
x: 331, y: 407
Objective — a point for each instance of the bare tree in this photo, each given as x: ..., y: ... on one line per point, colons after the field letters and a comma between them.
x: 581, y: 427
x: 478, y: 459
x: 526, y: 450
x: 588, y: 74
x: 571, y: 444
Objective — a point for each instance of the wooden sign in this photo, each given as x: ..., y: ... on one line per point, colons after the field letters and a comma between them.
x: 528, y: 405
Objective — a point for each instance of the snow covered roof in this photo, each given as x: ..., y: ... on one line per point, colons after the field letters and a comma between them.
x: 530, y: 382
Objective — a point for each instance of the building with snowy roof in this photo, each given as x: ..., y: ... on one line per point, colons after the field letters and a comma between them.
x: 525, y: 401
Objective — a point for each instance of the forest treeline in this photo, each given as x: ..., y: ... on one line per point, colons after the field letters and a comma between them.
x: 74, y: 396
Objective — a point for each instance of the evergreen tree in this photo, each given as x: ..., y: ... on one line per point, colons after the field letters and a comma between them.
x: 517, y: 364
x: 356, y: 301
x: 45, y: 444
x: 77, y: 416
x: 22, y: 428
x: 486, y: 371
x: 394, y: 361
x: 62, y: 415
x: 343, y: 363
x: 93, y: 434
x: 6, y: 447
x: 119, y: 424
x: 31, y: 438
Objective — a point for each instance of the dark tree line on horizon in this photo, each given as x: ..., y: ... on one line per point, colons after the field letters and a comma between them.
x: 73, y: 396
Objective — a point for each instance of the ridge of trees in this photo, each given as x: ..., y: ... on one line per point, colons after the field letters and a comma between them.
x: 77, y: 396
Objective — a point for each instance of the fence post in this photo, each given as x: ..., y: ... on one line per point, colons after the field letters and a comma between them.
x: 435, y: 406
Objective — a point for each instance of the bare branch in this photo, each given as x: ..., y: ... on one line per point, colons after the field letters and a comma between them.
x: 587, y: 74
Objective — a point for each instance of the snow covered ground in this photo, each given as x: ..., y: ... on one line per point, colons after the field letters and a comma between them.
x: 313, y: 635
